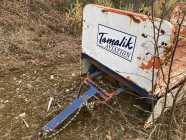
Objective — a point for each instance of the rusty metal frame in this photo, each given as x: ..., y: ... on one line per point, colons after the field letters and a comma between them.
x: 122, y: 81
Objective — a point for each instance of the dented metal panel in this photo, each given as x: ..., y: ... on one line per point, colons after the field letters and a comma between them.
x: 178, y: 72
x: 177, y: 15
x: 123, y: 41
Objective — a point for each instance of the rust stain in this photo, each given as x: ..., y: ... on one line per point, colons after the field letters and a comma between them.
x: 183, y: 31
x: 181, y: 54
x: 177, y: 15
x: 181, y: 4
x: 182, y: 43
x: 177, y: 74
x: 177, y: 12
x: 156, y: 61
x: 135, y: 16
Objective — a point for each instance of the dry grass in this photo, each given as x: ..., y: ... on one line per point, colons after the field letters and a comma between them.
x: 73, y: 18
x: 108, y: 3
x: 73, y: 15
x: 73, y: 11
x: 164, y: 129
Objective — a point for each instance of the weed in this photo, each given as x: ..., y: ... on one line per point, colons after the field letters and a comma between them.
x: 108, y: 3
x: 73, y: 18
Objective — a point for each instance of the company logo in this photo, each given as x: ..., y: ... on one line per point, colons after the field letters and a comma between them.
x: 117, y: 42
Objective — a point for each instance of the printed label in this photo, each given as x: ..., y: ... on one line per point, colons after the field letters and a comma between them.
x: 117, y: 42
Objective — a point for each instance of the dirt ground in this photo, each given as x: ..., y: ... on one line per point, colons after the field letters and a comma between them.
x: 38, y: 60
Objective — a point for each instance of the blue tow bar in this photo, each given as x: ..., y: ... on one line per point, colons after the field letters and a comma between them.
x: 69, y: 110
x: 78, y: 103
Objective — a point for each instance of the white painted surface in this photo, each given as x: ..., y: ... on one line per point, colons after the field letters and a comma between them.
x: 127, y: 59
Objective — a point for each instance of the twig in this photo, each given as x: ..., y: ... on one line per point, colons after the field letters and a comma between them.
x: 139, y: 108
x: 174, y: 101
x: 26, y: 124
x: 50, y: 103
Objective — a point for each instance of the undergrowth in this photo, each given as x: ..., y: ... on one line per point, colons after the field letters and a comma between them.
x: 73, y: 18
x: 73, y: 11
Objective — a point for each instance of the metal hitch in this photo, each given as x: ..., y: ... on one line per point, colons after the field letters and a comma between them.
x: 78, y: 103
